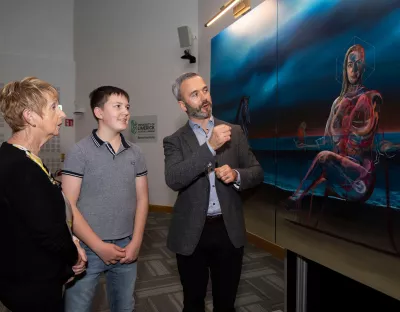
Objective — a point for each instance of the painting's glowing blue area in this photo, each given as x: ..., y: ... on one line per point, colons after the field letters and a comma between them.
x: 287, y: 56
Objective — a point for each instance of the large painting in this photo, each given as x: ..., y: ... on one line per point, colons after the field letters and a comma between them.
x: 314, y: 86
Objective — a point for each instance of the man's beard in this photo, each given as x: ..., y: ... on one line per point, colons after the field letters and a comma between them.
x: 197, y: 113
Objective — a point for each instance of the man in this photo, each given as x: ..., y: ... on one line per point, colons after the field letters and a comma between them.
x: 208, y: 162
x: 105, y: 177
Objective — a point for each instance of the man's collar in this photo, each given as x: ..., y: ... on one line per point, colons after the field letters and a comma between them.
x: 99, y: 142
x: 196, y: 125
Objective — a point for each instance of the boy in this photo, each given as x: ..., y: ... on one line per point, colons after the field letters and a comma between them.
x: 105, y: 177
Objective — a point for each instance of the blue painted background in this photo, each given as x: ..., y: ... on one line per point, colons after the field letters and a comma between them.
x: 287, y: 56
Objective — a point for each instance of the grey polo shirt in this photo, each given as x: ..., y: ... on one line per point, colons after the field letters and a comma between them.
x: 107, y: 198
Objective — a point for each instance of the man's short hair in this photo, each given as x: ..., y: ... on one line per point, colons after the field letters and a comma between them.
x: 176, y: 87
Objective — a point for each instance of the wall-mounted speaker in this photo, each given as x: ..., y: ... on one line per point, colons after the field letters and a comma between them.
x: 185, y: 36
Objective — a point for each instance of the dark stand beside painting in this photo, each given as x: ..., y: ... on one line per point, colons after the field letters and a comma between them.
x: 315, y: 89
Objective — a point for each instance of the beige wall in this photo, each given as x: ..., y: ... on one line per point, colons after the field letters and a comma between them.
x: 135, y: 45
x: 36, y: 39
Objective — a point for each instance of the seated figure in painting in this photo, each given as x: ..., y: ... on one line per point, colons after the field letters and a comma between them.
x: 346, y: 165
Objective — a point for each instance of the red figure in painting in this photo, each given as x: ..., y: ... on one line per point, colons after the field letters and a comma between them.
x: 347, y: 165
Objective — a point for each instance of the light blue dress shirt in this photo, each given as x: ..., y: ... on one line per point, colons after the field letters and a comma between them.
x: 202, y: 136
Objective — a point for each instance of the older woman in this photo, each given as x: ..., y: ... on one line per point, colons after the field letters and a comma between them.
x: 38, y: 255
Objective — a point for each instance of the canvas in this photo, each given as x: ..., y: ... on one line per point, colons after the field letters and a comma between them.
x: 314, y: 86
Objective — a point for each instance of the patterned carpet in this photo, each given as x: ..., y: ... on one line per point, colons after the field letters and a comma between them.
x: 158, y: 287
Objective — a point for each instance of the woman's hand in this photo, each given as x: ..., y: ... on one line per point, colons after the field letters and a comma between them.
x: 80, y: 266
x: 69, y: 280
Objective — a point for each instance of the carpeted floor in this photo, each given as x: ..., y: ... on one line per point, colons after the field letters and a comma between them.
x: 158, y: 287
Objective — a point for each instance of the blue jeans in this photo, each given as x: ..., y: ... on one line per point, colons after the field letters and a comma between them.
x: 121, y: 279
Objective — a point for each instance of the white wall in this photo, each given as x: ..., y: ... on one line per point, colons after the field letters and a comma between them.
x: 207, y: 9
x: 36, y: 39
x: 130, y: 44
x: 134, y: 45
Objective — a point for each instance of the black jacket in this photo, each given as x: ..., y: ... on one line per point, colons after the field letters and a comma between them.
x: 34, y: 238
x: 186, y: 171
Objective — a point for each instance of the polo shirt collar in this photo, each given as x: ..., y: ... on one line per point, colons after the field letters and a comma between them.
x: 99, y: 142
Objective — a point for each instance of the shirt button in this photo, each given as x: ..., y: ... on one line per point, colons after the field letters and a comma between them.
x: 213, y: 185
x: 213, y: 204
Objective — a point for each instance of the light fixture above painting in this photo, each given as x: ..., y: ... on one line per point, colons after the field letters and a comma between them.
x: 239, y: 7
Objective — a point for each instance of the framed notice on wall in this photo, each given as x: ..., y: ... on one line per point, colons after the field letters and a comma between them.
x: 143, y: 128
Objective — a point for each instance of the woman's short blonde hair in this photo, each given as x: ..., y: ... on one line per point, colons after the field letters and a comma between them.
x: 17, y: 96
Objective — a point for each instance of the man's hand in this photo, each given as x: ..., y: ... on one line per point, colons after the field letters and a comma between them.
x: 220, y: 135
x: 132, y: 252
x: 226, y: 174
x: 110, y: 253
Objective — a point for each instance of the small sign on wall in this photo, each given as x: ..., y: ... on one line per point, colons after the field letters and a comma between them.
x: 69, y: 122
x: 144, y: 128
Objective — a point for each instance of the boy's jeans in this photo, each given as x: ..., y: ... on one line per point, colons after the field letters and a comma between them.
x: 120, y: 278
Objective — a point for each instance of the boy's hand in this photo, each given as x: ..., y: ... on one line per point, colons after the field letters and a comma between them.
x: 110, y: 253
x: 132, y: 252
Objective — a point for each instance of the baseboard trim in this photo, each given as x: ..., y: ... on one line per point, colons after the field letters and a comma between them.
x: 159, y: 208
x: 275, y: 250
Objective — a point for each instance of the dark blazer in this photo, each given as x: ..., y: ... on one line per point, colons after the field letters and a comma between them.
x: 34, y: 238
x: 186, y: 165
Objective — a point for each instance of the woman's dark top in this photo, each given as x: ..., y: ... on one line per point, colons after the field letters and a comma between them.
x: 35, y: 242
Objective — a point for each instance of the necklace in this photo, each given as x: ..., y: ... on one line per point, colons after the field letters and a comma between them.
x: 38, y: 161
